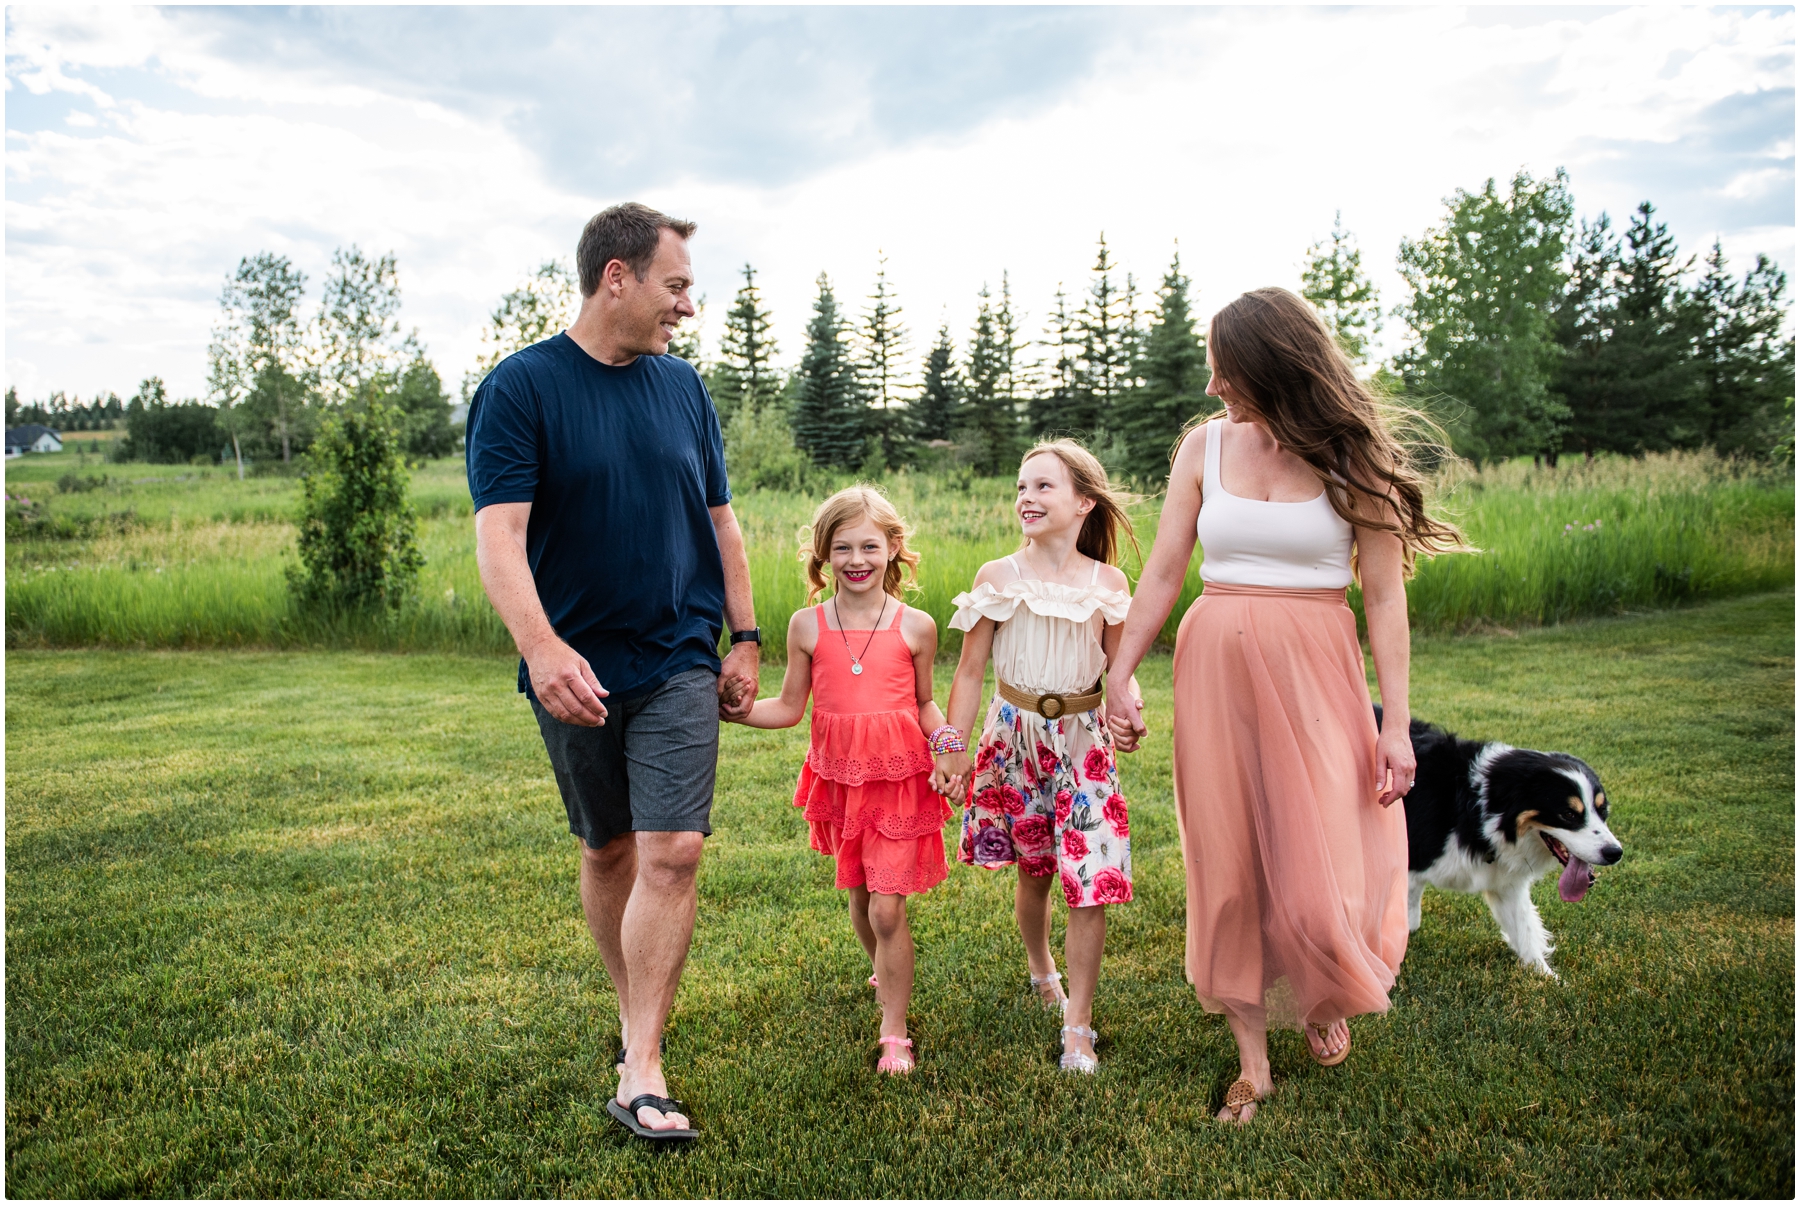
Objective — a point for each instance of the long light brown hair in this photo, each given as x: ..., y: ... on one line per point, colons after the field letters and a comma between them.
x: 1275, y: 353
x: 1101, y: 531
x: 853, y: 505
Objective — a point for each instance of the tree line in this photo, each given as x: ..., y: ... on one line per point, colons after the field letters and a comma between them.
x: 277, y: 372
x: 1525, y: 334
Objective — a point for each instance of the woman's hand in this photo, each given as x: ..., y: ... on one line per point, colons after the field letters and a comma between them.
x: 1125, y: 719
x: 1395, y: 764
x: 950, y: 776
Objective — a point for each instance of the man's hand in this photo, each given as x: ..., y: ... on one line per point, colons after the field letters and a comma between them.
x: 565, y: 684
x: 738, y: 681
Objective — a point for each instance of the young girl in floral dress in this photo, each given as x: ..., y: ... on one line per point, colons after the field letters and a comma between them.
x: 866, y: 789
x: 1045, y: 793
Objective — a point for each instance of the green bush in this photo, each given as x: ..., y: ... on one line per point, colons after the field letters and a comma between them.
x: 760, y: 452
x: 356, y: 541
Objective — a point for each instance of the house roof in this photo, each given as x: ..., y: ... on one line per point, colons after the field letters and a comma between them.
x: 30, y: 433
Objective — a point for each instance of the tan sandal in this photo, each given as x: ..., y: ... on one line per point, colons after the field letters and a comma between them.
x: 1324, y: 1032
x: 1242, y: 1092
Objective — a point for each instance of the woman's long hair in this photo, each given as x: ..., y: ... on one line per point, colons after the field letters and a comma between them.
x: 853, y: 505
x: 1101, y: 531
x: 1276, y: 354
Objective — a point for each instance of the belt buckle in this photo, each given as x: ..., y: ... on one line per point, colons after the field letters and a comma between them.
x: 1043, y: 706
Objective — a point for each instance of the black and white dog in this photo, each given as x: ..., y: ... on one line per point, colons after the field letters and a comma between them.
x: 1488, y: 819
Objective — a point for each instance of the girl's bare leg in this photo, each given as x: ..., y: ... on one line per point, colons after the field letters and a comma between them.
x: 859, y: 920
x: 1031, y: 907
x: 1083, y: 946
x: 893, y: 960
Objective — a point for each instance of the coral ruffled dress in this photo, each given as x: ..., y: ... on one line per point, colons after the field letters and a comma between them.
x: 866, y: 785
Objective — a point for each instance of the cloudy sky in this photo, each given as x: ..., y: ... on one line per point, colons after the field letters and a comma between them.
x: 149, y: 149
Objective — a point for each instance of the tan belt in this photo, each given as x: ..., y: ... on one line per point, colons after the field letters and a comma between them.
x: 1051, y: 705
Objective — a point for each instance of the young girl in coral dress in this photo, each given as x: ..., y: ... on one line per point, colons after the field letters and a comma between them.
x: 865, y: 657
x: 1045, y: 793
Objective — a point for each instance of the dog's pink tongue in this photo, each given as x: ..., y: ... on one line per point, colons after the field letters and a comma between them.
x: 1577, y: 877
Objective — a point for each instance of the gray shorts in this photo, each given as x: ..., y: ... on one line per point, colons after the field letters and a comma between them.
x: 648, y: 769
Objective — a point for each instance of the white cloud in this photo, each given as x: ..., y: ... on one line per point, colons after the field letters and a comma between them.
x: 143, y: 161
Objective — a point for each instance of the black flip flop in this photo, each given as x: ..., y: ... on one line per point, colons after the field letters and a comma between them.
x: 626, y: 1115
x: 662, y: 1047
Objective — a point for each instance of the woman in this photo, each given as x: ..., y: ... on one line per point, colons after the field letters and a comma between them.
x: 1296, y: 867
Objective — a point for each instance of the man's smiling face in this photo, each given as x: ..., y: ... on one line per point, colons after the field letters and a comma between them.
x: 651, y: 309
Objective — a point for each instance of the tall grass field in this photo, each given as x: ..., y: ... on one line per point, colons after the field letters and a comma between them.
x: 152, y: 557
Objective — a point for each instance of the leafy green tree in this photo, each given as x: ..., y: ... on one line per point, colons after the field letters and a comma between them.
x: 1485, y: 287
x: 543, y: 304
x: 830, y: 413
x: 685, y: 344
x: 423, y: 407
x: 882, y: 342
x: 1056, y: 406
x: 1631, y: 380
x: 1334, y: 281
x: 987, y: 426
x: 361, y: 350
x: 160, y: 432
x: 934, y: 413
x: 12, y: 405
x: 357, y: 541
x: 1150, y: 416
x: 258, y: 370
x: 1746, y: 365
x: 746, y: 376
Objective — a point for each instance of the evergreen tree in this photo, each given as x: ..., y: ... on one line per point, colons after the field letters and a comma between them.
x: 883, y: 341
x: 830, y: 414
x: 1632, y: 382
x: 1485, y: 285
x: 1105, y: 324
x: 1054, y: 408
x: 746, y: 374
x: 1746, y: 366
x: 1015, y: 374
x: 934, y: 414
x: 987, y: 424
x: 1151, y: 416
x: 1334, y: 281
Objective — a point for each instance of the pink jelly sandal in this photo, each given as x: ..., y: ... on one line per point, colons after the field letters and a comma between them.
x: 893, y: 1063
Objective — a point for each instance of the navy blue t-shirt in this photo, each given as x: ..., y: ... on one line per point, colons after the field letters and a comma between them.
x: 620, y: 466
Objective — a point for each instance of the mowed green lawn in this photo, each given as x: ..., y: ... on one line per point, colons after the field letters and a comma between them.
x: 306, y: 924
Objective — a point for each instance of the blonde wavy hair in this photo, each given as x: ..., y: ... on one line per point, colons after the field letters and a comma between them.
x: 1107, y: 526
x: 853, y: 505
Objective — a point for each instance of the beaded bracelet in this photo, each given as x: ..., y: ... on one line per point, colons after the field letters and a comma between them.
x: 947, y: 739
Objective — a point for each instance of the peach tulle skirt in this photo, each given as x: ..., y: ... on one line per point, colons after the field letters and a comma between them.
x: 1296, y: 877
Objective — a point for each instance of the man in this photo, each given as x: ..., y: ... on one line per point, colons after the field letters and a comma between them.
x: 606, y: 540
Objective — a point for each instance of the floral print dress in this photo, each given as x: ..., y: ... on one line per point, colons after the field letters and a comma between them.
x: 1045, y: 795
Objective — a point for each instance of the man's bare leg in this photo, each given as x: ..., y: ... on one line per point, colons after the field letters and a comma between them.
x: 657, y: 928
x: 607, y: 876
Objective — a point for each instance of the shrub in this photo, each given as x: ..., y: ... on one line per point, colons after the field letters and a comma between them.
x: 357, y: 529
x: 760, y: 452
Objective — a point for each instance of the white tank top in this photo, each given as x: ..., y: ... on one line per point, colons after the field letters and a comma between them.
x: 1303, y: 545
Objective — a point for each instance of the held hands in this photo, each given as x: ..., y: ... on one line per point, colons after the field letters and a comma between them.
x: 950, y: 778
x: 1125, y: 722
x: 1395, y: 764
x: 565, y: 684
x: 738, y: 682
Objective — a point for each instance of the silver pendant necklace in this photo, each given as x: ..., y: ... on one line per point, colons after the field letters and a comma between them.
x: 856, y: 658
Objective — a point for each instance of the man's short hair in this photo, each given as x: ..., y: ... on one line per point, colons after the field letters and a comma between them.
x: 628, y: 232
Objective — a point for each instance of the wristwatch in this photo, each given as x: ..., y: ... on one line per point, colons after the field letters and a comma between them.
x: 753, y: 634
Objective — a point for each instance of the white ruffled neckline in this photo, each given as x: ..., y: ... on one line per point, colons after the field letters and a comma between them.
x: 1052, y: 600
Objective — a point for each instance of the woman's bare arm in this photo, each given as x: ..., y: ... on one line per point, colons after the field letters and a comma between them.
x: 1378, y: 557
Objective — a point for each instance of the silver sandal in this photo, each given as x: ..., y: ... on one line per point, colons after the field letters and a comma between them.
x: 1074, y: 1060
x: 1062, y: 1000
